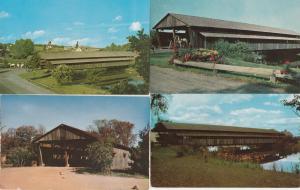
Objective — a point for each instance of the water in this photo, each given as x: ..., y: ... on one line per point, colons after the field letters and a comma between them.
x: 288, y: 164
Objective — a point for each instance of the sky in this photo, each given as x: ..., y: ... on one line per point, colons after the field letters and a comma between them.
x: 274, y: 13
x: 76, y: 111
x: 93, y: 22
x: 241, y: 110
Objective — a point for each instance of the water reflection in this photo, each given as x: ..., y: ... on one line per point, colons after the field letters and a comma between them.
x: 289, y: 164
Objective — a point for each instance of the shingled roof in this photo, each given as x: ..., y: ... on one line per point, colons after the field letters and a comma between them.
x: 207, y: 127
x: 196, y: 21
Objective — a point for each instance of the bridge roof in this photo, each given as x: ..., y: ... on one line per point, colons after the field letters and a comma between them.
x: 196, y: 21
x: 208, y: 127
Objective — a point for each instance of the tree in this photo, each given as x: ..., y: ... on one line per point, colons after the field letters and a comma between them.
x: 140, y: 154
x: 119, y: 132
x: 141, y: 44
x: 3, y: 50
x: 33, y: 61
x: 21, y: 156
x: 159, y: 104
x: 294, y: 104
x: 23, y: 48
x: 100, y: 155
x: 63, y: 74
x: 25, y: 134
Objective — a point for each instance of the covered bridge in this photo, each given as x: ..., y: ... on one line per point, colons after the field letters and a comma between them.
x: 65, y: 146
x: 213, y: 135
x: 201, y: 32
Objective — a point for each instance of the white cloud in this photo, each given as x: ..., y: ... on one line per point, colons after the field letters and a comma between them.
x: 34, y: 34
x: 253, y: 111
x: 284, y: 120
x: 4, y: 14
x: 112, y: 30
x: 77, y: 23
x: 275, y: 104
x: 61, y: 40
x: 118, y: 18
x: 135, y: 26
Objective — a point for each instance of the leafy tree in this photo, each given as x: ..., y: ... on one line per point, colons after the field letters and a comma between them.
x: 119, y: 132
x: 294, y: 104
x: 100, y: 155
x: 140, y: 154
x: 3, y: 50
x: 159, y: 104
x: 33, y: 62
x: 63, y: 74
x: 23, y: 48
x: 21, y: 156
x: 25, y: 134
x: 141, y: 44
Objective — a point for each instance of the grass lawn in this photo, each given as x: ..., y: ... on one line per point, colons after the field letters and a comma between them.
x: 40, y: 78
x: 45, y: 80
x: 167, y: 170
x: 162, y: 60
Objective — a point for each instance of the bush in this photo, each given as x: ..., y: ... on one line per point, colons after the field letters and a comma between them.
x: 33, y: 62
x: 124, y: 88
x: 21, y: 156
x: 100, y: 155
x: 23, y: 48
x: 63, y: 74
x: 238, y: 50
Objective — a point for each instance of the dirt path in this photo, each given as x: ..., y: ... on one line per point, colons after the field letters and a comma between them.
x: 58, y: 178
x: 12, y: 83
x: 166, y: 80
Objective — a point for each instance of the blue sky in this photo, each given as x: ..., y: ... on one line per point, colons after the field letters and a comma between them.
x: 92, y: 22
x: 77, y: 111
x: 276, y: 13
x: 245, y: 110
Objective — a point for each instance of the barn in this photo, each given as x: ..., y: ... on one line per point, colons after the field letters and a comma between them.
x: 201, y: 32
x: 213, y: 135
x: 65, y: 146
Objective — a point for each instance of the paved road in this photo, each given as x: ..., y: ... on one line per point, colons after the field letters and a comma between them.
x: 58, y: 178
x: 166, y: 80
x: 12, y: 83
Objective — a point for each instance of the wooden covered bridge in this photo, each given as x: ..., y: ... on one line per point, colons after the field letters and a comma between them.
x: 200, y: 32
x: 65, y: 146
x: 88, y: 59
x: 213, y: 135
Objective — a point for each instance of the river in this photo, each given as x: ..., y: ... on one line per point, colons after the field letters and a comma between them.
x: 288, y: 164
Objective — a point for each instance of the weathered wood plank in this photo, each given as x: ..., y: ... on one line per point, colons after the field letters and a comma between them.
x: 259, y: 72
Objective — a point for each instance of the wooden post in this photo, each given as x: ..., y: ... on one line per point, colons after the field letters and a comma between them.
x: 66, y: 156
x: 41, y: 156
x: 158, y: 38
x: 191, y: 43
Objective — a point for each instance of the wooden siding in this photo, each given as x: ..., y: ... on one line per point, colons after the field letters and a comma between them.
x: 88, y: 59
x: 61, y: 134
x: 170, y: 22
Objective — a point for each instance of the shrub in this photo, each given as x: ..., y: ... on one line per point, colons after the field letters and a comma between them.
x: 23, y: 48
x: 238, y: 50
x: 124, y: 88
x: 100, y: 155
x: 63, y: 74
x: 33, y: 61
x: 21, y: 156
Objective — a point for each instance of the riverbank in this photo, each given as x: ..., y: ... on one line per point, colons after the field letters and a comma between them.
x: 169, y: 170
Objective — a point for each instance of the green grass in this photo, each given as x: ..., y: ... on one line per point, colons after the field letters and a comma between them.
x: 50, y: 83
x: 167, y: 170
x: 43, y: 79
x: 162, y: 60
